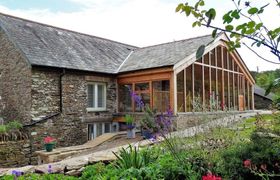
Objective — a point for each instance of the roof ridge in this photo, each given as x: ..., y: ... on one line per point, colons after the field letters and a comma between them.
x: 64, y: 29
x: 172, y: 42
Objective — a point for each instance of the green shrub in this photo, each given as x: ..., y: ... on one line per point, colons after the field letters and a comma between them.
x: 14, y: 125
x: 132, y: 157
x: 3, y: 129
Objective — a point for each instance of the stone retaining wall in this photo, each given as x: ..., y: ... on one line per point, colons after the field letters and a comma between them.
x: 187, y: 120
x: 15, y: 154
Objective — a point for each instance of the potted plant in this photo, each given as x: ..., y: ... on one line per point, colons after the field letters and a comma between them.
x: 130, y: 126
x: 49, y: 143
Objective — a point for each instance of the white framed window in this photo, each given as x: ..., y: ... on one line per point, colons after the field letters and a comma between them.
x: 96, y: 96
x: 97, y: 129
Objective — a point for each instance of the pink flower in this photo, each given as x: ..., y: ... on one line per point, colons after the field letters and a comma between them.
x: 48, y: 140
x: 247, y: 163
x: 210, y: 176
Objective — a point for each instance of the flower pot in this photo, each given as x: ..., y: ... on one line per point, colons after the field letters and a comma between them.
x: 49, y: 147
x: 147, y: 134
x: 131, y: 133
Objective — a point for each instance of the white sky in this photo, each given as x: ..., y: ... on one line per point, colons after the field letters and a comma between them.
x: 137, y: 22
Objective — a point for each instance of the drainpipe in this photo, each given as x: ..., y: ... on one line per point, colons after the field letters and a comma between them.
x: 60, y: 90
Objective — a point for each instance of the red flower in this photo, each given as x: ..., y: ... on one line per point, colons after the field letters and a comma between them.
x: 247, y: 163
x: 211, y: 177
x: 48, y: 140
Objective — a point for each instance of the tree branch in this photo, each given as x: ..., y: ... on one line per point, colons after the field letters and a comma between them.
x: 243, y: 35
x: 259, y: 55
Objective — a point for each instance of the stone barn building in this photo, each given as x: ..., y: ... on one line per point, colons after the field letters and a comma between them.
x: 75, y: 86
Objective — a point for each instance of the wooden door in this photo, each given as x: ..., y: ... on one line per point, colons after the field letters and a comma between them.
x: 241, y: 102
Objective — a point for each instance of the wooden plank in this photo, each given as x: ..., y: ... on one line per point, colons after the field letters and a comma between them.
x: 203, y: 86
x: 223, y: 79
x: 173, y: 92
x: 151, y: 94
x: 193, y: 86
x: 146, y: 72
x: 146, y: 77
x: 185, y: 91
x: 132, y: 101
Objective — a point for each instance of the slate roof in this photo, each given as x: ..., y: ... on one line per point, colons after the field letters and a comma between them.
x: 46, y: 45
x: 261, y: 92
x: 167, y: 54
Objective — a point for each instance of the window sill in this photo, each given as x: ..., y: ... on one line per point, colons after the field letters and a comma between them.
x: 96, y: 109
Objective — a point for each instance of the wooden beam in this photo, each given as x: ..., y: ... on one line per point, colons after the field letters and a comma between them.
x: 193, y: 87
x: 173, y: 92
x: 223, y: 78
x: 228, y: 81
x: 146, y: 77
x: 210, y: 80
x: 248, y: 93
x: 145, y: 72
x: 217, y: 88
x: 132, y: 100
x: 203, y: 85
x: 253, y: 98
x: 151, y: 94
x: 185, y: 91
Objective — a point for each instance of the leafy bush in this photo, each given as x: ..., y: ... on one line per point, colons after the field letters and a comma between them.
x: 262, y: 153
x: 14, y: 125
x: 133, y: 158
x: 11, y: 126
x: 3, y: 129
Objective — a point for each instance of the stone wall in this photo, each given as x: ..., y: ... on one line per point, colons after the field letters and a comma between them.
x: 187, y: 120
x: 15, y: 83
x: 15, y: 153
x: 70, y: 127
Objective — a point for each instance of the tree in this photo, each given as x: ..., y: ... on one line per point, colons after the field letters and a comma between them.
x: 243, y: 21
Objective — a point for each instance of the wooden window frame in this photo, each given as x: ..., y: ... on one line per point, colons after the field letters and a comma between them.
x: 96, y: 108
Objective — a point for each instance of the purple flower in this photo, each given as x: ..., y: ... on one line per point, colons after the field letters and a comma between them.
x: 17, y: 173
x: 50, y: 168
x: 137, y: 99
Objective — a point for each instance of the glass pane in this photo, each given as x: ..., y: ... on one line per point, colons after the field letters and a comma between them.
x: 161, y: 95
x: 206, y: 58
x: 225, y: 58
x: 146, y: 100
x: 90, y: 131
x: 213, y: 58
x: 107, y: 127
x: 91, y: 95
x: 188, y: 97
x: 207, y: 88
x: 219, y: 57
x: 180, y: 92
x: 230, y: 63
x: 141, y: 86
x: 101, y: 95
x: 198, y: 92
x: 213, y: 94
x: 236, y: 91
x: 231, y: 91
x: 219, y: 99
x: 98, y: 129
x: 226, y: 90
x: 125, y: 103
